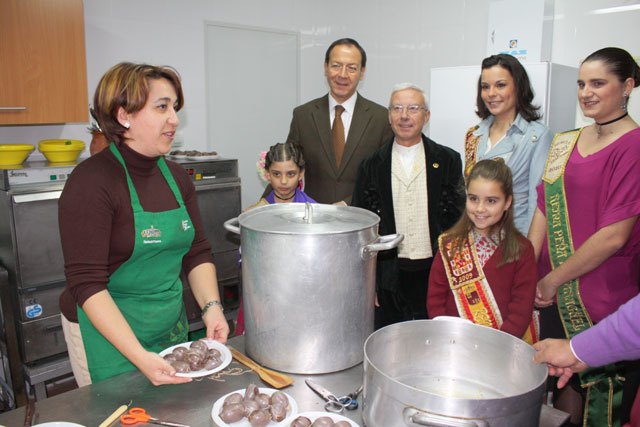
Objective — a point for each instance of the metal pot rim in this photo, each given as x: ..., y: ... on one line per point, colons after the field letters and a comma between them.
x: 291, y: 219
x: 434, y: 396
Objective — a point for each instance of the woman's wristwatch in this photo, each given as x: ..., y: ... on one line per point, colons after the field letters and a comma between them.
x: 210, y: 304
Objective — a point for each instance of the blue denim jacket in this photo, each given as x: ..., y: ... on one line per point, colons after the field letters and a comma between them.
x: 524, y: 149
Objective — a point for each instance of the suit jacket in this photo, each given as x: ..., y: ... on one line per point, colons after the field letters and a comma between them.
x: 445, y: 192
x: 311, y: 129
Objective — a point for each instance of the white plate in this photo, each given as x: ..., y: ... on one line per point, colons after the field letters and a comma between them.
x: 314, y: 415
x: 178, y: 156
x: 226, y: 358
x: 293, y: 409
x: 209, y: 157
x: 58, y: 424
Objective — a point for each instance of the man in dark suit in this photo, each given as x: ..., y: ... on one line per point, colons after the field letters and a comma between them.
x: 416, y: 187
x: 331, y: 165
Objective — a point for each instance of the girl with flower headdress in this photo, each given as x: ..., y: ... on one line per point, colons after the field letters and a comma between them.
x: 283, y: 167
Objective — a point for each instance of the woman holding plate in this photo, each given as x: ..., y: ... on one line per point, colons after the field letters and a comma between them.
x: 129, y: 223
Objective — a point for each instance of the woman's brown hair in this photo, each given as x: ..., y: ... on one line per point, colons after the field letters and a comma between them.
x: 126, y: 85
x: 524, y: 91
x: 497, y: 171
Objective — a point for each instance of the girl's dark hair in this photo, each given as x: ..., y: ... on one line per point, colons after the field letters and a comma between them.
x: 492, y: 170
x: 281, y: 152
x: 524, y: 92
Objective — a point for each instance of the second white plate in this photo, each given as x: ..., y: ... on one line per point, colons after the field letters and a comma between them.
x: 292, y: 411
x: 314, y: 415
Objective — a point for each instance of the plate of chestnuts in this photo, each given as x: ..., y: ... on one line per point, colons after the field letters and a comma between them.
x: 197, y: 358
x: 253, y: 407
x: 318, y: 419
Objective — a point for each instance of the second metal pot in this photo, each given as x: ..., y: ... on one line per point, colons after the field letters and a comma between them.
x: 450, y: 373
x: 308, y: 277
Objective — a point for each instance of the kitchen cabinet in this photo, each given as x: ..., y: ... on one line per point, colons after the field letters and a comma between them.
x: 43, y: 76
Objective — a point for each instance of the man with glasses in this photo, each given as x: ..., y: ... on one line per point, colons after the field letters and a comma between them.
x: 340, y: 129
x: 416, y: 187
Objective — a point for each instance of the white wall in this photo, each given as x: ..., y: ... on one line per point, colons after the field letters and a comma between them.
x: 403, y: 42
x: 580, y: 28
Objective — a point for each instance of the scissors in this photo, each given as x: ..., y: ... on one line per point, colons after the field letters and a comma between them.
x: 140, y: 416
x: 335, y: 404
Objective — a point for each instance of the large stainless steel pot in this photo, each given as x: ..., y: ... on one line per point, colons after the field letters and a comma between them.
x: 308, y: 278
x: 446, y: 373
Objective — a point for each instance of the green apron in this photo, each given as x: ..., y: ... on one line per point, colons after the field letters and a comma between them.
x: 147, y: 287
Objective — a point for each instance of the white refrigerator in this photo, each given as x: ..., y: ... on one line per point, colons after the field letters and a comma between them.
x: 453, y: 100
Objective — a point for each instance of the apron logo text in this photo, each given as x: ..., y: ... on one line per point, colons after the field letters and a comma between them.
x: 151, y: 232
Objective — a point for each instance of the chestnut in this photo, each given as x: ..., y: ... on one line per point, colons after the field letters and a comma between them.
x: 250, y: 406
x: 232, y: 412
x: 322, y: 422
x: 278, y: 412
x: 259, y: 418
x: 199, y: 345
x: 180, y: 352
x: 279, y: 397
x: 301, y: 422
x: 170, y: 357
x: 210, y: 364
x: 232, y: 398
x: 263, y: 400
x: 181, y: 366
x: 251, y: 392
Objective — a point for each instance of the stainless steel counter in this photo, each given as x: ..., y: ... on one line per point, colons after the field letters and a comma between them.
x: 191, y: 403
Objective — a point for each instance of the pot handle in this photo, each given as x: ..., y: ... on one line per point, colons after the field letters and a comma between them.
x: 382, y: 243
x: 232, y: 225
x: 413, y: 417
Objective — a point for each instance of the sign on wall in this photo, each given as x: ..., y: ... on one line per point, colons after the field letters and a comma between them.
x: 522, y: 28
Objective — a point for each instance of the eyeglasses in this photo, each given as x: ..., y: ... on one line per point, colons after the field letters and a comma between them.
x: 411, y: 109
x: 336, y: 68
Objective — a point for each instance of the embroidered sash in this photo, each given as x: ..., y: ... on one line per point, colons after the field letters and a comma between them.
x: 470, y: 150
x: 471, y: 290
x: 604, y: 385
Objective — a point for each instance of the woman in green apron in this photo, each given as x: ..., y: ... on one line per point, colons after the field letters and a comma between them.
x: 129, y: 224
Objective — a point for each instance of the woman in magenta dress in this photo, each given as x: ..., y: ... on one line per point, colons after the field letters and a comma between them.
x: 585, y: 231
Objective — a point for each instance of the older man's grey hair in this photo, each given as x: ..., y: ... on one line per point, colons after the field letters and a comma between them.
x: 404, y: 86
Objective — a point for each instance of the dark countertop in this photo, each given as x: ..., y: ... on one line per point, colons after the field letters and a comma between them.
x: 191, y: 403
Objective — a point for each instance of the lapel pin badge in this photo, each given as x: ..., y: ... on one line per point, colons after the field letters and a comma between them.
x: 436, y: 165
